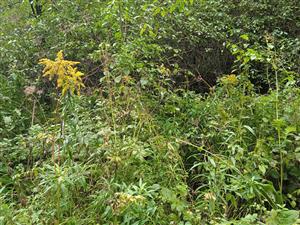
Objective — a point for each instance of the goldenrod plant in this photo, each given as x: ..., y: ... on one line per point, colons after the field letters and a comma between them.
x: 68, y: 78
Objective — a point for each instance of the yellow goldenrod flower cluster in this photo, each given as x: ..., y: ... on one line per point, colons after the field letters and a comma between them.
x: 230, y: 80
x: 68, y: 77
x: 124, y: 199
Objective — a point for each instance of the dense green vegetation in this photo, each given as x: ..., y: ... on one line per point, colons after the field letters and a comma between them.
x: 188, y: 112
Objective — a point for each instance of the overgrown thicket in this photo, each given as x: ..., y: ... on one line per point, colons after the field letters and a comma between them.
x: 189, y: 112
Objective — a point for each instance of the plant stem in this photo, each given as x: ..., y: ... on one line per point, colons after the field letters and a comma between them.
x: 33, y: 112
x: 279, y: 133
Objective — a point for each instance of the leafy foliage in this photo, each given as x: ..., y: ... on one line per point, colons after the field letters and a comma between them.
x: 189, y: 115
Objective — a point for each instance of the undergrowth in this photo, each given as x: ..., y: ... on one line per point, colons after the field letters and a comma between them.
x: 146, y: 134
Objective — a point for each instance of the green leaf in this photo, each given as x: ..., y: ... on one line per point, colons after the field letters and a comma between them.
x: 262, y: 168
x: 212, y: 162
x: 290, y: 129
x: 270, y: 46
x: 245, y: 37
x: 144, y: 28
x: 167, y: 194
x: 282, y: 217
x: 118, y: 79
x: 7, y: 120
x: 279, y: 123
x: 156, y: 11
x: 250, y: 130
x: 143, y: 81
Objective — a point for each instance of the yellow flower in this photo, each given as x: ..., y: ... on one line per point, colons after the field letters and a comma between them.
x: 68, y: 78
x: 123, y: 200
x: 230, y: 80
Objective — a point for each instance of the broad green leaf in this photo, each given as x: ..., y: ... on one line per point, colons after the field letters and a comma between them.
x: 283, y: 217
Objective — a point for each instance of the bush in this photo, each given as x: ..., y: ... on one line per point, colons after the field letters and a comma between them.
x: 189, y: 114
